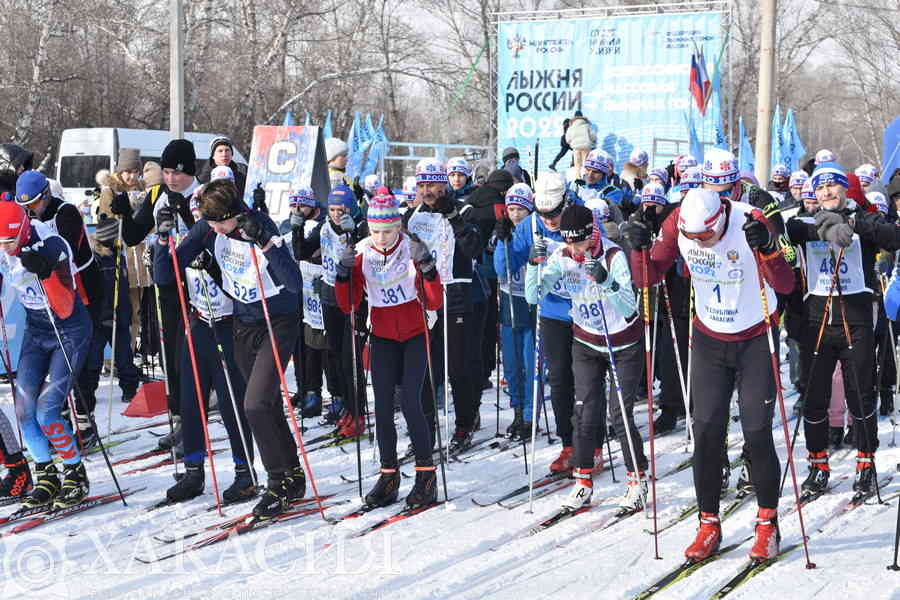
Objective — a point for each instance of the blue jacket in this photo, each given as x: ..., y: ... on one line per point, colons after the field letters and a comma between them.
x: 282, y: 268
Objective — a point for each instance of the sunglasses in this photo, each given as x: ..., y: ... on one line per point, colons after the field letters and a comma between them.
x: 702, y: 236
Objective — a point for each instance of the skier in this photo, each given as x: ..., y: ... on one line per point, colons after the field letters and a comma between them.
x: 542, y: 228
x: 444, y: 225
x: 398, y: 274
x: 604, y: 319
x: 330, y: 238
x: 38, y: 264
x: 230, y: 232
x: 868, y: 174
x: 517, y: 316
x: 598, y: 183
x: 717, y: 238
x: 857, y: 235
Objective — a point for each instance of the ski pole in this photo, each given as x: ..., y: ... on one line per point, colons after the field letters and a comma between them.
x: 74, y: 377
x: 538, y: 376
x: 512, y: 326
x: 648, y: 359
x: 437, y: 425
x: 189, y: 337
x: 115, y: 304
x: 855, y: 376
x: 248, y: 448
x: 689, y: 426
x: 354, y: 385
x: 612, y: 467
x: 285, y: 392
x: 776, y: 374
x: 165, y: 368
x: 812, y: 364
x: 446, y: 375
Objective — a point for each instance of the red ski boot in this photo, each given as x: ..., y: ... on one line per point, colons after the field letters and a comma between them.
x: 563, y: 461
x: 709, y: 536
x: 768, y: 537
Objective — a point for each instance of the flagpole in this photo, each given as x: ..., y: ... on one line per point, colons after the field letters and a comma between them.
x: 763, y: 152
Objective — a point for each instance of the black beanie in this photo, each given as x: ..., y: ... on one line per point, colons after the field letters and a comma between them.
x: 576, y: 223
x: 179, y: 155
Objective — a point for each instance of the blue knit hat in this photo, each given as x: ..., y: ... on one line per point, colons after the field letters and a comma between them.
x: 654, y: 193
x: 520, y: 195
x: 342, y: 195
x: 302, y: 197
x: 829, y: 173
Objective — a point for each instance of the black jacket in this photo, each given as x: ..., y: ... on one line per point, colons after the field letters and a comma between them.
x: 239, y: 170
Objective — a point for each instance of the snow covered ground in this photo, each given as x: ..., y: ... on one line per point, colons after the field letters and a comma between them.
x: 458, y: 550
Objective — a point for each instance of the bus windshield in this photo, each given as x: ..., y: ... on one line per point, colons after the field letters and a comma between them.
x: 79, y: 171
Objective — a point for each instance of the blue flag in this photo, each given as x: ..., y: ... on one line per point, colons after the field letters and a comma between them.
x: 891, y: 151
x: 721, y: 141
x: 792, y: 149
x: 746, y: 161
x: 695, y: 147
x: 326, y: 129
x: 306, y: 121
x: 288, y: 118
x: 776, y: 138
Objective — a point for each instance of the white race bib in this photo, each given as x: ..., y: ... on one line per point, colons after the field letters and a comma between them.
x: 517, y: 287
x: 312, y: 304
x: 332, y: 246
x: 437, y: 233
x: 820, y: 268
x: 569, y: 282
x: 391, y: 279
x: 725, y: 278
x: 31, y: 293
x: 238, y: 272
x: 221, y: 304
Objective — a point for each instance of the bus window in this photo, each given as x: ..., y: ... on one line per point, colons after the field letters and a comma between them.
x: 79, y: 171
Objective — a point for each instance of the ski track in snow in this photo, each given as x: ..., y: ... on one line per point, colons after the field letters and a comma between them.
x: 451, y: 551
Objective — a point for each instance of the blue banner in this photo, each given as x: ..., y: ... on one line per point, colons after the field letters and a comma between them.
x: 628, y: 75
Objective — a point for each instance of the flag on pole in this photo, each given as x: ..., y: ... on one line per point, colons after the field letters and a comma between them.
x: 306, y: 121
x: 776, y: 138
x: 326, y: 129
x: 792, y: 149
x: 696, y: 148
x: 746, y: 161
x: 700, y: 85
x: 288, y: 118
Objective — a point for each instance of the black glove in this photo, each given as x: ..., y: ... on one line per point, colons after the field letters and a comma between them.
x: 538, y: 253
x: 259, y: 199
x: 638, y: 184
x: 503, y: 230
x: 298, y: 221
x: 447, y: 207
x: 177, y: 202
x: 253, y: 231
x: 120, y: 204
x: 758, y: 235
x: 422, y: 257
x: 670, y: 169
x: 165, y: 222
x: 346, y: 262
x: 202, y: 262
x: 832, y: 228
x: 595, y: 268
x: 636, y: 234
x: 580, y: 182
x: 106, y: 232
x: 36, y: 263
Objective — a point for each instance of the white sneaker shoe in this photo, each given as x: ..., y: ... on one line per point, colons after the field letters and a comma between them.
x: 635, y: 498
x: 582, y: 492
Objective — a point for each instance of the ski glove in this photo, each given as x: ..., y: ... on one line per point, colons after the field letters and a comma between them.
x: 503, y: 230
x: 538, y: 253
x: 832, y: 227
x: 106, y: 232
x: 347, y: 224
x: 612, y: 231
x: 202, y: 262
x: 177, y: 202
x: 422, y: 257
x: 253, y: 231
x: 259, y: 199
x: 36, y: 263
x: 346, y: 262
x: 595, y: 268
x: 297, y: 220
x: 638, y: 184
x: 636, y: 234
x: 758, y: 235
x: 120, y: 204
x: 165, y: 222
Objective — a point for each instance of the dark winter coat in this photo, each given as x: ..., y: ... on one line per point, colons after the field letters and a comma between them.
x: 239, y: 170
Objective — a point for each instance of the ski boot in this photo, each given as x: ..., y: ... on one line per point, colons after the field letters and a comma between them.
x: 242, y: 488
x: 189, y: 486
x: 86, y: 433
x: 334, y: 411
x: 582, y: 492
x: 17, y: 481
x: 524, y: 432
x: 75, y: 486
x: 424, y: 492
x: 311, y: 406
x: 635, y: 498
x: 46, y: 486
x: 666, y: 421
x: 835, y: 437
x: 767, y: 536
x: 353, y: 427
x: 274, y: 501
x: 563, y: 461
x: 295, y: 483
x: 819, y: 472
x: 512, y: 431
x: 172, y: 438
x: 386, y: 488
x: 865, y: 481
x: 461, y: 441
x: 709, y: 537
